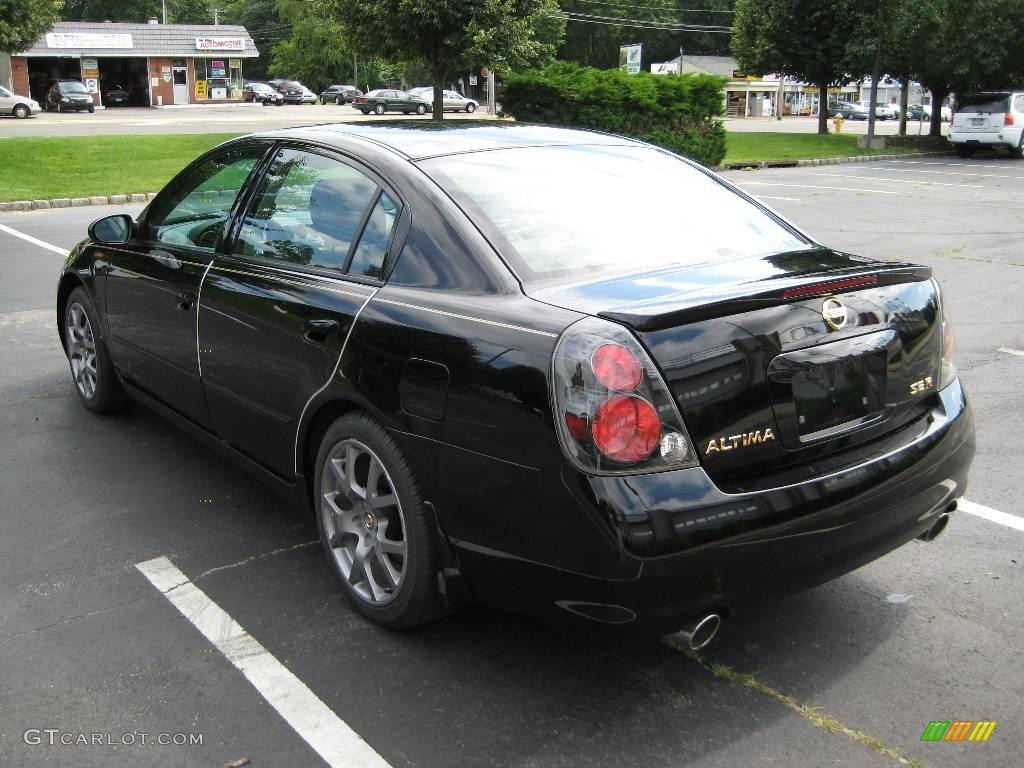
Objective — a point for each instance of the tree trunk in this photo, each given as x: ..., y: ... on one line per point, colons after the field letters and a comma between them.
x: 904, y: 104
x: 823, y: 108
x: 437, y: 75
x: 938, y: 96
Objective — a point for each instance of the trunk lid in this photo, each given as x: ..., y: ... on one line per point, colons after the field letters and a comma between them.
x: 781, y: 365
x: 981, y: 113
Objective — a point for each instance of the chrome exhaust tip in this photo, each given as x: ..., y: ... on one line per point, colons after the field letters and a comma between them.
x: 937, y: 528
x: 701, y: 632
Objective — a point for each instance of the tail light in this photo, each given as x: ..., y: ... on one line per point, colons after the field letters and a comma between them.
x: 947, y: 368
x: 613, y: 412
x: 1008, y: 118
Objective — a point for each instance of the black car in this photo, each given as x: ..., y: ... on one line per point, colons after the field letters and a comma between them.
x: 114, y: 96
x: 390, y: 100
x: 67, y: 96
x: 262, y: 93
x: 498, y: 390
x: 291, y: 90
x: 339, y: 94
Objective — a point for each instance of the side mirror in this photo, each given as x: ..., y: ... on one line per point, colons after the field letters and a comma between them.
x: 112, y: 230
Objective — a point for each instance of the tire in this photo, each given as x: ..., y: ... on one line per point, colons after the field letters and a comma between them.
x: 962, y: 150
x: 470, y: 108
x: 395, y: 585
x: 339, y: 101
x: 421, y: 110
x: 1017, y: 151
x: 379, y: 109
x: 365, y: 111
x: 92, y: 371
x: 21, y: 111
x: 91, y: 110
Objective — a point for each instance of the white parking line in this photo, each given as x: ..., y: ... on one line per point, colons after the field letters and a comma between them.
x: 812, y: 186
x: 992, y: 515
x: 1009, y: 351
x: 34, y: 241
x: 314, y: 721
x: 951, y: 173
x: 897, y: 181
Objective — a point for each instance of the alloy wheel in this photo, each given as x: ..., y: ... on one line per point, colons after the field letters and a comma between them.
x: 81, y: 350
x: 362, y: 522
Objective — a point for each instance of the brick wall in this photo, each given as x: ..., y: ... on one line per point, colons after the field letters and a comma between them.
x: 19, y: 75
x: 163, y: 89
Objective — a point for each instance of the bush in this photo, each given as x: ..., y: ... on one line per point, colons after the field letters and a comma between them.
x: 675, y: 112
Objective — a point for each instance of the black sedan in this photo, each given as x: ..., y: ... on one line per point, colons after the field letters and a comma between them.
x: 68, y: 96
x: 339, y: 94
x: 390, y: 100
x: 501, y: 391
x: 114, y: 96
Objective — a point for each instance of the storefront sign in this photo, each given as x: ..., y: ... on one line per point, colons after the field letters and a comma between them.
x: 200, y: 89
x: 220, y: 43
x: 217, y: 68
x: 629, y: 58
x: 87, y: 40
x: 235, y: 63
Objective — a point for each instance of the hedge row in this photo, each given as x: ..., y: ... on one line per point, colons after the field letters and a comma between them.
x: 673, y: 111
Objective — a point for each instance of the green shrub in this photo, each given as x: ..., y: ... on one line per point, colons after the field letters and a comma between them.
x: 672, y: 111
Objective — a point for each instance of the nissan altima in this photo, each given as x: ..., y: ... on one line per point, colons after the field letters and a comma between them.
x: 556, y: 372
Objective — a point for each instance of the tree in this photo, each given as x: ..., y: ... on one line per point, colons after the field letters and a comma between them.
x: 447, y: 35
x: 22, y: 22
x: 805, y: 39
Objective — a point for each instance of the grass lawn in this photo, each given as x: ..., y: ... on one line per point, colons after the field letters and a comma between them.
x: 747, y: 147
x: 80, y: 166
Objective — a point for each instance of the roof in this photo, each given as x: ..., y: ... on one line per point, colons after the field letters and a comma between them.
x: 429, y: 139
x: 86, y: 38
x: 715, y: 65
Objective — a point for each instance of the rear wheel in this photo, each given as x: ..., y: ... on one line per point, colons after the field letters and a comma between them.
x: 91, y: 110
x: 21, y: 111
x: 379, y: 109
x: 471, y: 107
x: 379, y: 538
x: 365, y: 111
x: 96, y: 382
x: 421, y: 110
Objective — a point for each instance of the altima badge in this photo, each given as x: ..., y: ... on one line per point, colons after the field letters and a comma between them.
x: 741, y: 440
x: 834, y: 312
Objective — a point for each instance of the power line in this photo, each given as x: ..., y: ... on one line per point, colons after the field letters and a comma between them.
x: 668, y: 26
x: 654, y: 7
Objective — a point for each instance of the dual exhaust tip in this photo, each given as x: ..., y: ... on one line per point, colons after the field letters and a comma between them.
x: 699, y: 634
x: 937, y: 528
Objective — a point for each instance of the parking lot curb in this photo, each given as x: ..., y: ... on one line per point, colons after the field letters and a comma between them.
x: 75, y: 202
x: 759, y: 164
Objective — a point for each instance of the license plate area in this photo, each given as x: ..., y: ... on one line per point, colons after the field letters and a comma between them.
x: 978, y: 121
x: 833, y: 388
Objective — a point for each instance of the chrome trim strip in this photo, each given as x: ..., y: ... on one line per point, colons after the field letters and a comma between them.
x: 334, y: 372
x: 467, y: 317
x: 199, y: 299
x: 314, y: 278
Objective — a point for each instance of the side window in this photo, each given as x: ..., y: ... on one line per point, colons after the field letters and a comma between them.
x: 368, y: 260
x: 307, y: 211
x: 194, y: 213
x: 1018, y: 102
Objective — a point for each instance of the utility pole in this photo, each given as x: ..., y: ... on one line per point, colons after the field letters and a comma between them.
x: 355, y: 70
x: 876, y: 72
x: 216, y: 15
x: 163, y: 11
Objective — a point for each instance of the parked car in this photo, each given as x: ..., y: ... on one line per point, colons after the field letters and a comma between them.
x: 389, y: 100
x: 19, y: 106
x: 882, y: 111
x: 451, y: 100
x: 849, y: 110
x: 290, y: 90
x: 262, y: 93
x: 69, y: 95
x: 441, y: 342
x: 339, y: 94
x: 989, y: 119
x: 308, y: 97
x: 113, y: 95
x: 924, y: 113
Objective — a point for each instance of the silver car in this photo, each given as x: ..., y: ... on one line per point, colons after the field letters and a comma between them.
x: 451, y: 100
x: 19, y: 106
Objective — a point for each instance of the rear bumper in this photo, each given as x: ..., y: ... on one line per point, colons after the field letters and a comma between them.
x: 1010, y: 136
x: 736, y: 549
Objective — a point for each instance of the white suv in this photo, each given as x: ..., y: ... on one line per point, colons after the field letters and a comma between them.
x: 989, y: 119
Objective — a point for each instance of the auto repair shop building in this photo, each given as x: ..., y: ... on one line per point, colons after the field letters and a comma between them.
x: 158, y: 64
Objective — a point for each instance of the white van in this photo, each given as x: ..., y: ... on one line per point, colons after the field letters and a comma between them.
x: 989, y: 119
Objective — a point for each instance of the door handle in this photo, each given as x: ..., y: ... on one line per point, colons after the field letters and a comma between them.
x: 185, y: 300
x: 317, y: 331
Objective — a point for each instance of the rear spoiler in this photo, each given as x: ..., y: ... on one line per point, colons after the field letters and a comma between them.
x: 735, y: 298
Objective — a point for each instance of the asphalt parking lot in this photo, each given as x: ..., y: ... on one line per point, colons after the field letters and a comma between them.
x: 848, y: 674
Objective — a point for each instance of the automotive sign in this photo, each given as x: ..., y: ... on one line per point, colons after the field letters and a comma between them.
x: 220, y: 43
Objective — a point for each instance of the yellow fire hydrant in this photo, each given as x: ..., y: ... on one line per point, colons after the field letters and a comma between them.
x: 837, y: 121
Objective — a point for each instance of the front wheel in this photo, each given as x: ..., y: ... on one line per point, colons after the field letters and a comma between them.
x: 421, y: 110
x: 470, y: 108
x: 379, y: 109
x: 21, y: 111
x: 365, y: 111
x: 91, y: 110
x: 92, y: 371
x: 378, y: 535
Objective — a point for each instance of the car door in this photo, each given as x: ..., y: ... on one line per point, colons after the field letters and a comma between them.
x: 152, y: 283
x: 276, y: 309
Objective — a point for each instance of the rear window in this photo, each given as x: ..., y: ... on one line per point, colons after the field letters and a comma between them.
x: 985, y: 102
x: 565, y: 211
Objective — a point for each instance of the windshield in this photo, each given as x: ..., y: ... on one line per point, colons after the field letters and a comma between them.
x: 566, y: 211
x: 72, y: 88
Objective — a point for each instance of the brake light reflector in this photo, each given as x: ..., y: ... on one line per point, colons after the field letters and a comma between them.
x: 616, y: 367
x: 626, y: 428
x: 830, y: 287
